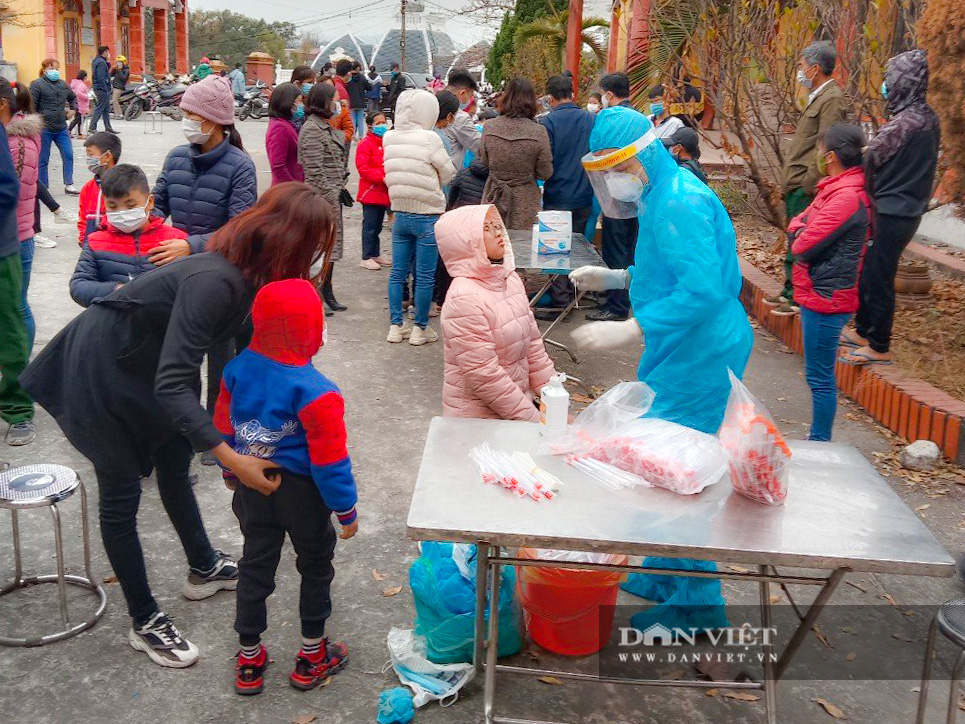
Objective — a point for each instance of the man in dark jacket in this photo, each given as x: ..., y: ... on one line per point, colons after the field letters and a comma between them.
x: 101, y: 71
x: 16, y: 406
x: 120, y: 74
x: 684, y: 146
x: 51, y: 95
x: 396, y: 86
x: 357, y: 86
x: 900, y: 165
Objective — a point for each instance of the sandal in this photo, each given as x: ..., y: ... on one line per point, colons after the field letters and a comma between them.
x: 847, y: 341
x: 859, y: 359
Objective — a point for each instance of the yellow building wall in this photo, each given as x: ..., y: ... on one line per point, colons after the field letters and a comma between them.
x: 25, y: 45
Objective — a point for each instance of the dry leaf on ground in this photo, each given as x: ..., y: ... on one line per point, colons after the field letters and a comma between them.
x: 851, y: 657
x: 741, y: 696
x: 550, y: 680
x: 737, y: 569
x: 110, y: 579
x: 394, y: 590
x: 833, y: 709
x: 712, y: 692
x: 901, y: 637
x: 304, y: 719
x: 821, y: 637
x: 376, y: 576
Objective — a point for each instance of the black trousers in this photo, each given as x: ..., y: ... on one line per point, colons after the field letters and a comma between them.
x: 101, y: 110
x: 876, y: 288
x: 619, y: 243
x: 120, y: 498
x: 297, y: 509
x: 218, y: 358
x: 561, y: 290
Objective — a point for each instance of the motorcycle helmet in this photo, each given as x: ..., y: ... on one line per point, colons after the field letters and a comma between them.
x: 121, y: 59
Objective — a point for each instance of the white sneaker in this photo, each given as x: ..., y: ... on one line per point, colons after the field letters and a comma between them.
x: 163, y: 643
x: 397, y: 333
x: 371, y: 264
x: 71, y: 190
x: 62, y: 217
x: 422, y: 336
x: 44, y: 242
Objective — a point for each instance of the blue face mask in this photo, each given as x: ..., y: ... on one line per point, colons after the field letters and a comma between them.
x: 656, y: 109
x: 884, y: 89
x: 52, y: 74
x: 379, y: 129
x: 306, y: 87
x: 298, y: 113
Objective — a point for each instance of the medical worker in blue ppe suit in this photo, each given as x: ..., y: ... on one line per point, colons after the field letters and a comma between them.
x: 684, y: 288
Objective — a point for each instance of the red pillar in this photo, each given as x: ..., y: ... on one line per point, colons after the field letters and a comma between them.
x: 161, y: 65
x: 639, y: 47
x: 613, y: 49
x: 137, y: 40
x: 108, y: 20
x: 574, y: 41
x: 50, y: 30
x: 181, y: 39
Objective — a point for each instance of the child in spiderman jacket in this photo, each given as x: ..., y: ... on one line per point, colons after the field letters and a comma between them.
x: 276, y: 405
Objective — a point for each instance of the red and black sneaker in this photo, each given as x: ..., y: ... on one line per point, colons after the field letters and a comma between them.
x: 311, y: 670
x: 250, y: 673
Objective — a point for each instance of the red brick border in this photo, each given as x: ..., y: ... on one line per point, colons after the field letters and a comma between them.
x: 910, y: 407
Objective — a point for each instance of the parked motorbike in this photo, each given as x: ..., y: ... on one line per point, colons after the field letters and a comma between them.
x: 150, y: 96
x: 254, y: 103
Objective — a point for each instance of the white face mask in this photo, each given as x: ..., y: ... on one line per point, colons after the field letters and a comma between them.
x: 804, y: 80
x: 605, y: 100
x: 336, y: 108
x: 593, y: 107
x: 192, y: 131
x: 129, y: 220
x: 624, y: 186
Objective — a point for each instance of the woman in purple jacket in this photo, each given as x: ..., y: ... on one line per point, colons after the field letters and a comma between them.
x: 281, y: 139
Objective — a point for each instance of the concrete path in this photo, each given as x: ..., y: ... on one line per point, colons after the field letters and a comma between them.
x: 392, y: 391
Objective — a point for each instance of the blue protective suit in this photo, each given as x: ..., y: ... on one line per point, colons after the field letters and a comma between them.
x: 684, y: 290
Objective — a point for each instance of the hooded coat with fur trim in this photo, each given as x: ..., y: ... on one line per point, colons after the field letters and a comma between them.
x: 23, y: 135
x: 494, y: 355
x: 417, y: 165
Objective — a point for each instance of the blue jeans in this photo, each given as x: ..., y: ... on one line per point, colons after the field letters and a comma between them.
x: 27, y: 261
x: 413, y: 235
x: 62, y: 139
x: 358, y: 120
x: 821, y: 334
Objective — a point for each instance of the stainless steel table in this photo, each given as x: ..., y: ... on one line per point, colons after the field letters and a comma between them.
x: 840, y: 516
x: 582, y: 253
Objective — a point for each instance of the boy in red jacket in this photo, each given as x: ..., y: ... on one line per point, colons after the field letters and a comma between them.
x: 103, y: 153
x: 373, y: 193
x: 114, y: 255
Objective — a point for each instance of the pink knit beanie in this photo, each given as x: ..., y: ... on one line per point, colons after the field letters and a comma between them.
x: 211, y: 99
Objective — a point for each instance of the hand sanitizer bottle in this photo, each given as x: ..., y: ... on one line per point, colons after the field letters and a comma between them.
x: 554, y: 406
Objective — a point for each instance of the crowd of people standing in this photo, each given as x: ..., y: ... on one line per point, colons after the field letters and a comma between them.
x: 253, y: 284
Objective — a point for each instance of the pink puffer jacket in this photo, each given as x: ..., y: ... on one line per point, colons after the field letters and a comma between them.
x: 494, y: 356
x: 23, y: 133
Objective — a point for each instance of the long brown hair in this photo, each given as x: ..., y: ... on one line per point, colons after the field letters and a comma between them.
x: 519, y: 99
x: 280, y: 237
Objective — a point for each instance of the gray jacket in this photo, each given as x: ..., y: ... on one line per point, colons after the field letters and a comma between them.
x: 463, y: 136
x: 321, y: 152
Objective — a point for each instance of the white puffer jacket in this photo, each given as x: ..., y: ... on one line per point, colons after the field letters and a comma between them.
x: 416, y: 163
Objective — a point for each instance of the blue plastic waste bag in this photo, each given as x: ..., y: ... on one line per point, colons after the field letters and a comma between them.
x: 443, y: 582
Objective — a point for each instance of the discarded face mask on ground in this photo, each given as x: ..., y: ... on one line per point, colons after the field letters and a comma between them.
x: 428, y: 681
x: 758, y: 457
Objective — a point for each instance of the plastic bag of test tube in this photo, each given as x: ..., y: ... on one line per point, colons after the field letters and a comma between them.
x: 654, y: 453
x: 758, y: 457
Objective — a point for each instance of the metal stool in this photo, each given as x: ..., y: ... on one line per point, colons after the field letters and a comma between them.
x: 950, y: 620
x: 155, y: 118
x: 38, y: 486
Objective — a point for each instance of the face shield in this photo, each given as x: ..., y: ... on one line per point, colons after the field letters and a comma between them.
x: 618, y: 178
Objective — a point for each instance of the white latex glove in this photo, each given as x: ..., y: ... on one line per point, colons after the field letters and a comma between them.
x: 599, y: 278
x: 608, y: 335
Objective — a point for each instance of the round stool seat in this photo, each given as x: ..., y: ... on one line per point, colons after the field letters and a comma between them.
x: 34, y: 486
x: 951, y: 621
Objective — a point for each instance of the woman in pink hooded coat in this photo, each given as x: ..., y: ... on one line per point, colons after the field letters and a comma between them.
x: 495, y: 361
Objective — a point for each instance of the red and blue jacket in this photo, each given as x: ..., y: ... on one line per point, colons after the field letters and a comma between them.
x: 275, y: 405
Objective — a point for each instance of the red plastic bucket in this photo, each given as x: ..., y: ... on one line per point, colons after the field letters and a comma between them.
x: 563, y: 605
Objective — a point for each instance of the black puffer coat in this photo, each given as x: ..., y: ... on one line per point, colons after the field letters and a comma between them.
x: 202, y: 191
x: 50, y: 100
x: 902, y: 157
x: 467, y: 188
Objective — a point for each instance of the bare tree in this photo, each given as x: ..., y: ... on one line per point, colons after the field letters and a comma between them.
x: 490, y: 12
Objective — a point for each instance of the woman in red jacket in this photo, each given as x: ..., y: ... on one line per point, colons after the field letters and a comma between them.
x: 828, y: 242
x: 373, y: 193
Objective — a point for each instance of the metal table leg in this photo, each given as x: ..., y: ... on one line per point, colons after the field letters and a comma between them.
x: 815, y: 609
x: 770, y: 682
x: 482, y: 584
x: 542, y: 290
x: 492, y: 647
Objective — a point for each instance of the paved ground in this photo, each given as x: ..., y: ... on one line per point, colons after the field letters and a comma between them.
x: 391, y: 392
